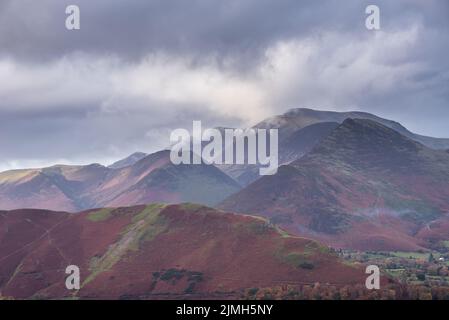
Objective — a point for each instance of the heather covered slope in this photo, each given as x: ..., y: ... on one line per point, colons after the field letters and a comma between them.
x: 157, y: 251
x: 74, y: 188
x: 365, y: 186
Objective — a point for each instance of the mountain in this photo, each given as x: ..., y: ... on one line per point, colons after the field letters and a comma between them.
x: 158, y: 252
x: 155, y: 178
x: 128, y: 161
x: 301, y: 129
x: 74, y: 188
x: 298, y: 118
x: 364, y: 186
x: 303, y: 140
x: 170, y: 183
x: 292, y: 146
x: 58, y: 187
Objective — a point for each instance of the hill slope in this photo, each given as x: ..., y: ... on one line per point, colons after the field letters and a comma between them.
x: 365, y: 186
x: 157, y: 251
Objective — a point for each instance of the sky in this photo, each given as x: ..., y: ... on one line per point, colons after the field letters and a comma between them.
x: 138, y: 69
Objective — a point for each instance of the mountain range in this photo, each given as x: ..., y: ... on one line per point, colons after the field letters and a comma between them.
x: 298, y: 118
x: 150, y: 179
x: 363, y: 186
x: 301, y: 129
x: 348, y: 179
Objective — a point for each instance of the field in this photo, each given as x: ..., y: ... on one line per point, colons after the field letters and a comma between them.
x: 427, y: 269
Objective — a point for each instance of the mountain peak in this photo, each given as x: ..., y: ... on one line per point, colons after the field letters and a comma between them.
x: 298, y: 118
x: 355, y: 179
x: 128, y: 161
x: 367, y: 129
x: 367, y: 144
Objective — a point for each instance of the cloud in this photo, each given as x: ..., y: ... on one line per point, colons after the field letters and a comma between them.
x: 83, y: 107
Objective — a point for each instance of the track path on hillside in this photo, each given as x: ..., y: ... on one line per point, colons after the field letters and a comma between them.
x: 45, y: 234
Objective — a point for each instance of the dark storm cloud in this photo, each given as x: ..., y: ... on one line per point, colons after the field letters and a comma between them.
x: 133, y: 28
x: 233, y: 28
x: 138, y: 68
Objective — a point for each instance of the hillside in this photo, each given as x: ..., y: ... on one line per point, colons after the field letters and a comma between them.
x: 365, y: 186
x: 155, y: 252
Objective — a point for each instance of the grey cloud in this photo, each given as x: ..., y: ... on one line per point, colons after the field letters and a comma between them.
x: 235, y: 29
x: 232, y: 29
x: 138, y: 68
x: 97, y: 136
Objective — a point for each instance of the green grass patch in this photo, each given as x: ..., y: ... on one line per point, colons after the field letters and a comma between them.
x: 396, y: 273
x: 314, y: 247
x: 100, y: 215
x: 149, y: 211
x: 411, y: 255
x: 283, y: 233
x: 145, y: 226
